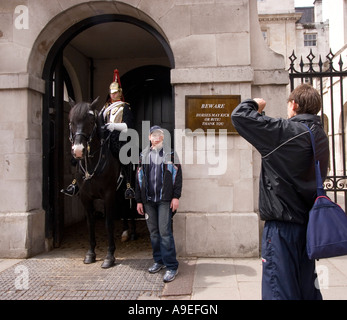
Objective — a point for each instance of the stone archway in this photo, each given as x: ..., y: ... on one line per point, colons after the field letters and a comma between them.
x: 47, y: 59
x: 64, y: 26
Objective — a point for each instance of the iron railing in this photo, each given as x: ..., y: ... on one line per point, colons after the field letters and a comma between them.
x: 328, y: 78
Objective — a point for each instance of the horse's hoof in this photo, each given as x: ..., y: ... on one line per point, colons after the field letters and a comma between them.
x: 89, y: 258
x: 125, y: 236
x: 108, y: 263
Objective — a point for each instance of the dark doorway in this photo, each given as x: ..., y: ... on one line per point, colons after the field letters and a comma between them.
x: 149, y: 92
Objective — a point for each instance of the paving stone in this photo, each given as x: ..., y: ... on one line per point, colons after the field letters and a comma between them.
x: 61, y: 279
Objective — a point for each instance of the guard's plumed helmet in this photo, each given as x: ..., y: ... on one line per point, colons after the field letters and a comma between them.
x: 115, y: 86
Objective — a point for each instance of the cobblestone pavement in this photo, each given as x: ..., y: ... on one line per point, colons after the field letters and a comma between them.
x: 61, y: 274
x: 70, y: 279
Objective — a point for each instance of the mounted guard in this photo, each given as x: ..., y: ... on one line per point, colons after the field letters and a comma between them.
x: 115, y: 116
x: 96, y: 173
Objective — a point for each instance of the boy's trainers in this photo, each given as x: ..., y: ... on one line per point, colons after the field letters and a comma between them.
x: 170, y: 275
x: 156, y: 268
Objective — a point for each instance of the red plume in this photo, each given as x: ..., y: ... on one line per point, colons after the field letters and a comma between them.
x: 116, y: 77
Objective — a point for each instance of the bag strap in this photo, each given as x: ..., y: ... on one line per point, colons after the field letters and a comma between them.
x: 319, y: 182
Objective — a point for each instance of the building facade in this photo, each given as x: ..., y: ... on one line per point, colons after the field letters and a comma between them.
x: 287, y: 29
x: 166, y: 52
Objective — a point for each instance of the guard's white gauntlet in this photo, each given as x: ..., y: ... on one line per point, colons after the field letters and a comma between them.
x: 116, y: 126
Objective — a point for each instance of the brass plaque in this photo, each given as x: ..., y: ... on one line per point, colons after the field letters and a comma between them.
x: 211, y: 112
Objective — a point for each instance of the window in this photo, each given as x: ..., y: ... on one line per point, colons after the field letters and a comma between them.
x: 310, y: 40
x: 265, y: 36
x: 264, y: 32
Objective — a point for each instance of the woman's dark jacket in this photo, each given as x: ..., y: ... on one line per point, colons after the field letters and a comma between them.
x: 287, y: 186
x: 171, y: 177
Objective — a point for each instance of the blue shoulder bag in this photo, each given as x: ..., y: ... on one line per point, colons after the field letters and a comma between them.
x: 327, y: 225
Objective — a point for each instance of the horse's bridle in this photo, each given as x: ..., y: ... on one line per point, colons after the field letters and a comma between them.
x: 88, y: 138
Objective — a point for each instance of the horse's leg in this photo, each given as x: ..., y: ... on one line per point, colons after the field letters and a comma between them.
x: 132, y: 216
x: 121, y: 205
x: 90, y: 255
x: 125, y: 233
x: 129, y: 233
x: 133, y: 235
x: 109, y: 260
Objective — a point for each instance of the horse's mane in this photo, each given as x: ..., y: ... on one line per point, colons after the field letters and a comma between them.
x: 79, y: 112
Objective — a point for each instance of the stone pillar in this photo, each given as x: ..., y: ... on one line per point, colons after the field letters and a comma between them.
x: 22, y: 221
x: 218, y: 213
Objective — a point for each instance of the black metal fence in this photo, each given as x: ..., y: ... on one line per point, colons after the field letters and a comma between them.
x: 328, y: 78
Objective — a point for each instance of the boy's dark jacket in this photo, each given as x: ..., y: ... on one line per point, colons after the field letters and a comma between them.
x: 171, y: 175
x: 287, y: 186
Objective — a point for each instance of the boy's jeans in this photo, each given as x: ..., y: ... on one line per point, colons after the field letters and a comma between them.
x: 159, y: 224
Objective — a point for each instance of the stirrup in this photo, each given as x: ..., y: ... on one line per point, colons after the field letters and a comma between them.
x: 129, y: 192
x: 71, y: 190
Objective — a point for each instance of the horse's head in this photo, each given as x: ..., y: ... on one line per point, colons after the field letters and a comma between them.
x: 83, y: 125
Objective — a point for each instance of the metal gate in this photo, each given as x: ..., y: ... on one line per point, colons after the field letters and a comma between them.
x: 329, y: 78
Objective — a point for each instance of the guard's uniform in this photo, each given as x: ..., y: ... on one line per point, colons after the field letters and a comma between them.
x: 117, y: 112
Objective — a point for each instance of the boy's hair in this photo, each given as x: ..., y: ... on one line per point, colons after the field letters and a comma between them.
x: 307, y: 98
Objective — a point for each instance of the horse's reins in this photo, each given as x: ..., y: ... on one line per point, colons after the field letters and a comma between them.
x: 87, y: 175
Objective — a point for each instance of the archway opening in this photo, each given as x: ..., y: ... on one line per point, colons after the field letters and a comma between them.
x: 81, y: 63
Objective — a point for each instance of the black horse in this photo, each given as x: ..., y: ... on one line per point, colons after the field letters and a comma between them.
x: 97, y: 174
